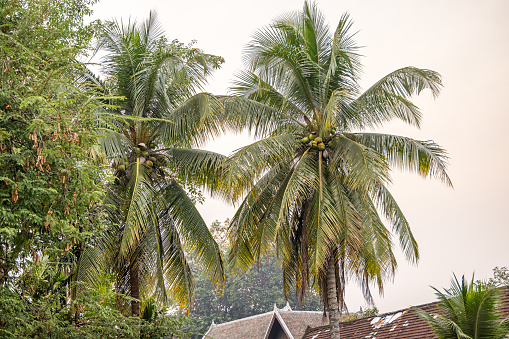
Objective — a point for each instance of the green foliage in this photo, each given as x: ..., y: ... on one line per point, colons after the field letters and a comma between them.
x: 49, y: 190
x: 370, y: 312
x: 468, y: 310
x: 322, y: 209
x: 25, y: 313
x: 500, y: 277
x: 156, y: 115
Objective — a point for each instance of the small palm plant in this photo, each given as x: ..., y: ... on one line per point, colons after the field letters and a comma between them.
x: 469, y: 311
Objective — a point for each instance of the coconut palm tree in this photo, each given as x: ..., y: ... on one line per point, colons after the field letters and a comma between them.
x: 469, y: 311
x: 155, y: 121
x: 316, y: 179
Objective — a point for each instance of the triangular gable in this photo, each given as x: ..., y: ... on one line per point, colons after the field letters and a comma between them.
x: 276, y: 317
x: 267, y: 325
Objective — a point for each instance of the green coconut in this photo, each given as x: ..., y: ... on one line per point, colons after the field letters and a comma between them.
x: 318, y: 140
x: 121, y: 168
x: 153, y: 159
x: 149, y: 163
x: 311, y: 136
x: 145, y: 153
x: 304, y: 140
x: 321, y: 146
x: 314, y: 144
x: 137, y: 150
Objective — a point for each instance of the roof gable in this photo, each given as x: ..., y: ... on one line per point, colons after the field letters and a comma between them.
x: 292, y: 323
x: 279, y: 322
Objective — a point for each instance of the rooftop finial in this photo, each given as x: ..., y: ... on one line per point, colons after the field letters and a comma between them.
x: 287, y: 307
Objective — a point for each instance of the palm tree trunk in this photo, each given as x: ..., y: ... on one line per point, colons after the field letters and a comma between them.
x: 134, y: 281
x: 332, y: 299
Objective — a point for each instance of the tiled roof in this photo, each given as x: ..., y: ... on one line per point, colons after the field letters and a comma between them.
x: 404, y: 324
x: 297, y: 322
x: 249, y: 328
x: 256, y: 327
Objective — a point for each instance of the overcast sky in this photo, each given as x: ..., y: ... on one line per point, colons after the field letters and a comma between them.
x: 461, y: 230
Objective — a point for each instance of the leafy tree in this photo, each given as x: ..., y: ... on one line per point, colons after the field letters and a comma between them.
x: 51, y: 192
x: 500, y: 277
x: 40, y: 313
x: 469, y: 311
x: 156, y: 123
x: 317, y: 181
x: 49, y: 189
x: 219, y: 231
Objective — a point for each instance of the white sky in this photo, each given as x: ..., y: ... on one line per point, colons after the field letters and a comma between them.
x: 461, y: 230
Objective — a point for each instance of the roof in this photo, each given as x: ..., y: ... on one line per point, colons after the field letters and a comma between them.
x: 403, y: 324
x: 259, y: 326
x: 298, y: 321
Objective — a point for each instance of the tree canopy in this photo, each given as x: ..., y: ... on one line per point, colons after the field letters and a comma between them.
x: 50, y: 191
x: 156, y: 117
x: 314, y: 187
x: 99, y: 175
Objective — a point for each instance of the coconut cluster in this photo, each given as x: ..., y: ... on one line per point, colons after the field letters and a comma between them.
x: 143, y: 154
x: 313, y: 141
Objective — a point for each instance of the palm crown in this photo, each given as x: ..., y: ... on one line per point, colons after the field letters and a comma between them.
x: 155, y: 223
x: 316, y: 181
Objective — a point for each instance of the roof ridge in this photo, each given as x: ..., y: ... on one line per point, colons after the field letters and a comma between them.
x: 294, y: 311
x: 250, y: 317
x: 266, y: 313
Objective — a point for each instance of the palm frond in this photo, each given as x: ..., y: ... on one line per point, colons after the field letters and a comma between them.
x: 323, y: 222
x: 193, y: 231
x: 194, y: 122
x: 278, y: 62
x: 260, y: 207
x: 422, y: 157
x: 387, y: 99
x: 390, y: 208
x: 246, y: 164
x: 361, y: 165
x: 138, y: 210
x: 203, y: 168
